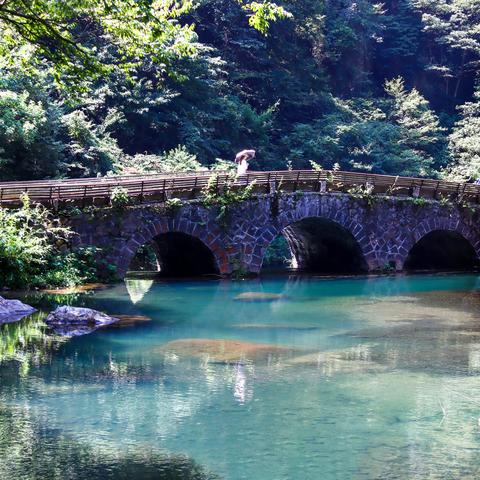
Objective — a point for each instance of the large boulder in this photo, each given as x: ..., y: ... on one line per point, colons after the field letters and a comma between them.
x: 74, y: 321
x: 13, y: 310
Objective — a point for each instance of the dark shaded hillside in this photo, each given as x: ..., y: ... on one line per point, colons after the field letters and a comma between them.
x: 384, y: 88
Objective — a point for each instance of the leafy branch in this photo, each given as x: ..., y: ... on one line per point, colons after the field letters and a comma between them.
x: 229, y: 193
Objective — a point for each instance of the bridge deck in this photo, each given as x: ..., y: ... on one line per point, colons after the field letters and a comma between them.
x: 158, y: 187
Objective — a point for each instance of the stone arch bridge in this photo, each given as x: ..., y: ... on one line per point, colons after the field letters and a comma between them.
x: 332, y: 221
x: 326, y: 232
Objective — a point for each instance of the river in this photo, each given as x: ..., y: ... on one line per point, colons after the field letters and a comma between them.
x: 298, y: 378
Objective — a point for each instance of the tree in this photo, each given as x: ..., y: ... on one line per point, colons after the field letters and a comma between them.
x: 28, y: 143
x: 399, y: 53
x: 464, y: 141
x: 453, y: 26
x: 67, y: 33
x: 64, y: 33
x: 421, y: 132
x: 352, y: 29
x: 400, y: 135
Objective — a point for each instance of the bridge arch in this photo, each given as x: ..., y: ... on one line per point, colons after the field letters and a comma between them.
x: 441, y: 244
x: 182, y: 247
x: 318, y: 244
x: 303, y: 219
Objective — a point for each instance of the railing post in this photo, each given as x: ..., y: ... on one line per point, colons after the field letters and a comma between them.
x: 319, y: 184
x: 194, y: 187
x: 436, y: 190
x: 268, y: 189
x: 460, y: 196
x: 295, y: 184
x: 141, y: 192
x: 84, y: 196
x: 164, y: 192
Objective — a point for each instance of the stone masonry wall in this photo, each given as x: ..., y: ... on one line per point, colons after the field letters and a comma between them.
x: 385, y: 231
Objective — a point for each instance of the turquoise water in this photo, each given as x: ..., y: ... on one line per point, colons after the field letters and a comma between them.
x: 368, y: 378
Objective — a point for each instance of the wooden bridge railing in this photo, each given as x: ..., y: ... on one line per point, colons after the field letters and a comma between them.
x: 150, y: 188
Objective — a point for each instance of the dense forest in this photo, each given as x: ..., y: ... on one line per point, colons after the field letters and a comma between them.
x: 92, y: 88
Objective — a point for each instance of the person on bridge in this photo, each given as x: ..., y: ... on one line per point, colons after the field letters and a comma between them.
x: 241, y: 159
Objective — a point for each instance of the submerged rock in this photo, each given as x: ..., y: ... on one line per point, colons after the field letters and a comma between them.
x: 223, y: 351
x: 275, y: 326
x: 13, y: 310
x: 130, y: 320
x: 74, y: 321
x: 259, y: 297
x: 336, y: 362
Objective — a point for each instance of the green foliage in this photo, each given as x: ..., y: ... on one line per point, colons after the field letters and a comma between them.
x: 34, y: 250
x: 26, y: 141
x: 453, y: 26
x: 398, y: 136
x: 352, y: 30
x: 173, y: 161
x: 364, y: 192
x: 27, y: 241
x: 69, y: 268
x: 229, y: 193
x: 173, y: 204
x: 264, y: 13
x: 60, y: 32
x: 316, y: 166
x: 444, y: 200
x: 119, y: 197
x: 420, y: 128
x: 417, y: 201
x: 221, y: 165
x: 465, y: 142
x: 277, y: 254
x: 91, y: 150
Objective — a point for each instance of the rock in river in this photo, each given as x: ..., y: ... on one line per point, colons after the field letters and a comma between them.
x: 13, y: 310
x: 259, y: 297
x: 74, y: 321
x: 223, y: 351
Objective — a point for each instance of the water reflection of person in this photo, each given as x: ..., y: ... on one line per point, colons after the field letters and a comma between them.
x: 240, y: 383
x: 241, y: 159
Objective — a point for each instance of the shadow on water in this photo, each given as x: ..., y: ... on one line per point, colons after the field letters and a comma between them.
x: 31, y: 452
